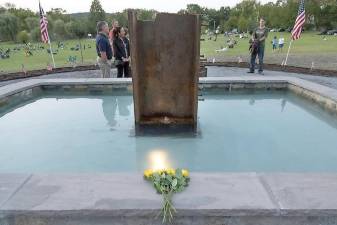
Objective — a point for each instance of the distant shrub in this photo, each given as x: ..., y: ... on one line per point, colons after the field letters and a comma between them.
x: 35, y: 34
x: 22, y: 37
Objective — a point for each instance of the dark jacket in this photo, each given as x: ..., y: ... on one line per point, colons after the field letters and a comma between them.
x: 121, y: 48
x: 253, y: 46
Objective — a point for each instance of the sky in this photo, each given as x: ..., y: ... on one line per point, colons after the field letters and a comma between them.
x: 73, y: 6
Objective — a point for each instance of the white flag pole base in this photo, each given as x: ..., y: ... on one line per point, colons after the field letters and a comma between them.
x: 285, y: 62
x: 51, y: 52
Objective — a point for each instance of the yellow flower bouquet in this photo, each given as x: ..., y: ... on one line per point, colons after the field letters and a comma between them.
x: 167, y: 182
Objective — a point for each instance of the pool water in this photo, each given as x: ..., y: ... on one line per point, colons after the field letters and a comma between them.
x: 238, y: 132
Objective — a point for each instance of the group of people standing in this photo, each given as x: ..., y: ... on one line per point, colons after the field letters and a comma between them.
x: 277, y: 44
x: 114, y: 43
x: 113, y: 46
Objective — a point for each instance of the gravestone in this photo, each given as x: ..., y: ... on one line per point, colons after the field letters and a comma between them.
x: 165, y: 57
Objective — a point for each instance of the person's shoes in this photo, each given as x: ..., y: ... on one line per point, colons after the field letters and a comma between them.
x: 250, y: 71
x: 261, y: 73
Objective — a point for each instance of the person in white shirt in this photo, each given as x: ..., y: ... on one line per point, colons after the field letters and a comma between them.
x: 280, y: 44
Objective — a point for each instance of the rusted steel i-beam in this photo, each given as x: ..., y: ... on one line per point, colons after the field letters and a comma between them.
x: 165, y: 68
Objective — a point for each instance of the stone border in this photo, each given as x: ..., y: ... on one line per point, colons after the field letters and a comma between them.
x: 211, y: 195
x: 203, y: 72
x: 212, y: 198
x: 322, y: 95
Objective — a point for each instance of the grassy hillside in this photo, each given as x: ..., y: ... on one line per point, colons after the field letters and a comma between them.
x: 310, y: 48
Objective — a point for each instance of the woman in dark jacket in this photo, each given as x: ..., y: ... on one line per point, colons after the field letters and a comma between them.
x: 121, y: 46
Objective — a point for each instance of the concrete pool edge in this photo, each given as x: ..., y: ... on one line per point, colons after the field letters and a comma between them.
x: 210, y: 195
x: 322, y: 95
x: 15, y: 88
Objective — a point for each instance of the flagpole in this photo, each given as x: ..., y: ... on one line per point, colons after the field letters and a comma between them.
x: 285, y: 63
x: 50, y: 48
x: 51, y: 51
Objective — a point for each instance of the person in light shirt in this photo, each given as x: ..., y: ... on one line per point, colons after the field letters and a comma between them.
x: 280, y: 44
x: 115, y: 24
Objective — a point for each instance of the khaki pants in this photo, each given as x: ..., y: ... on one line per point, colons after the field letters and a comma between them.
x: 105, y: 67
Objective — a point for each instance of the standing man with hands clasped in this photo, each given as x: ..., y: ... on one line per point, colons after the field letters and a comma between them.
x: 103, y: 48
x: 257, y: 46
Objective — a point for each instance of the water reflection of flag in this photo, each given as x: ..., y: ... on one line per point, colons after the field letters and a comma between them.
x: 43, y: 25
x: 49, y: 67
x: 23, y: 69
x: 300, y: 20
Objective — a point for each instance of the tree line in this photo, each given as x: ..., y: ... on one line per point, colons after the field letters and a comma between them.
x: 244, y: 16
x: 22, y: 25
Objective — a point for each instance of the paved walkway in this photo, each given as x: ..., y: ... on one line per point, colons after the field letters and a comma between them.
x: 213, y: 71
x: 79, y: 74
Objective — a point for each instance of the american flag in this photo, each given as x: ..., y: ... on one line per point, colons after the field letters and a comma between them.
x: 297, y: 30
x: 43, y: 26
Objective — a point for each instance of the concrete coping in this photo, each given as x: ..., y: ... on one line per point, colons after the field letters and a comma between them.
x: 14, y: 88
x: 209, y: 194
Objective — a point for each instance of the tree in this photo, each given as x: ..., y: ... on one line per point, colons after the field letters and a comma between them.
x: 232, y: 23
x: 35, y: 34
x: 144, y: 14
x: 32, y: 23
x: 194, y: 9
x: 213, y: 18
x: 21, y: 15
x: 69, y: 28
x: 58, y: 14
x: 224, y: 14
x: 96, y: 14
x: 121, y: 17
x: 8, y: 26
x: 76, y: 29
x: 2, y: 9
x: 243, y: 24
x: 23, y: 37
x: 327, y: 15
x: 59, y: 29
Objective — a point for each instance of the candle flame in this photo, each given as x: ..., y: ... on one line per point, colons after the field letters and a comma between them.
x: 158, y: 160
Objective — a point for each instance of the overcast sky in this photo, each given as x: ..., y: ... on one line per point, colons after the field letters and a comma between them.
x: 118, y: 5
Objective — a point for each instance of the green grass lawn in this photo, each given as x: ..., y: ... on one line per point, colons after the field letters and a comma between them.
x: 311, y: 47
x: 309, y: 50
x: 41, y: 58
x: 309, y: 43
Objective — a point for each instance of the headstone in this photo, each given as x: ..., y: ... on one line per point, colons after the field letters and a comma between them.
x: 165, y: 69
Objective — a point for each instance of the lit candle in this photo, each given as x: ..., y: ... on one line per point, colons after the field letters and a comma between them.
x: 158, y: 160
